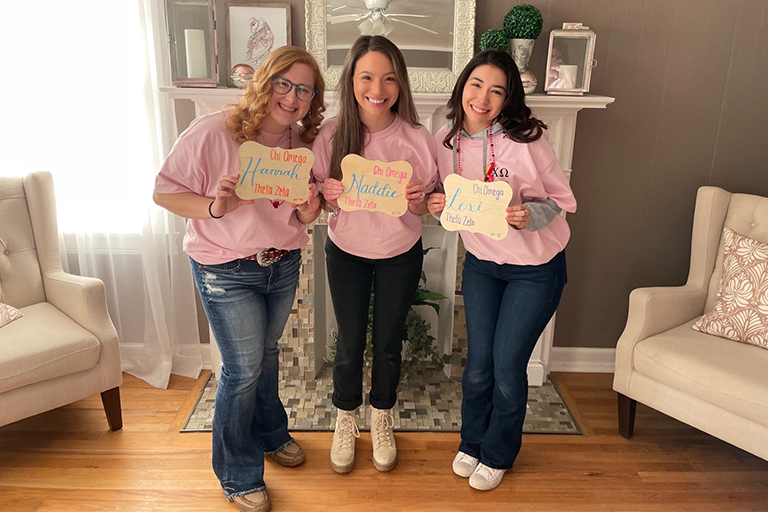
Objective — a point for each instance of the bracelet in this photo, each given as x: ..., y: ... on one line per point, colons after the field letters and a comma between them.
x: 211, y: 213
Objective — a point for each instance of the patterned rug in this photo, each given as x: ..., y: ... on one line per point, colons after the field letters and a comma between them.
x: 430, y: 401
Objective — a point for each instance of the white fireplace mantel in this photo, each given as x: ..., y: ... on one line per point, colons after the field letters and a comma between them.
x: 558, y: 112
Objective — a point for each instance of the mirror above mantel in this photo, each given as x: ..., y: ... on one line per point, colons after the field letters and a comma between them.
x: 435, y: 36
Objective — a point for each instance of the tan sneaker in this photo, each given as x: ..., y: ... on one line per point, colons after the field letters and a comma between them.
x: 343, y: 447
x: 254, y: 502
x: 384, y: 447
x: 289, y: 455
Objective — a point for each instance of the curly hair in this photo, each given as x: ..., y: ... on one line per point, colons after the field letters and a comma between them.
x: 244, y: 122
x: 515, y: 117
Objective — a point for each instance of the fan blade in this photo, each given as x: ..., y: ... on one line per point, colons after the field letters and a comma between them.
x: 409, y: 15
x: 343, y: 18
x: 415, y: 26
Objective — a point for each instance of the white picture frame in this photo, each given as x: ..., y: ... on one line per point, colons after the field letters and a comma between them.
x: 253, y: 31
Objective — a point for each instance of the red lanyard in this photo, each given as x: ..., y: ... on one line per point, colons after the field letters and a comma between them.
x: 277, y: 204
x: 491, y: 166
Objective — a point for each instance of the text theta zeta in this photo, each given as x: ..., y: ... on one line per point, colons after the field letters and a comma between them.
x: 353, y: 202
x: 359, y: 188
x: 262, y: 189
x: 253, y: 170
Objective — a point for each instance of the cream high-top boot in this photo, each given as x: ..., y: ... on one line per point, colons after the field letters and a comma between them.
x: 384, y: 447
x: 343, y: 447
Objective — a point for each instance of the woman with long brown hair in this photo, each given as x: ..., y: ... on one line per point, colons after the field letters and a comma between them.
x: 245, y: 258
x: 511, y: 286
x: 378, y: 121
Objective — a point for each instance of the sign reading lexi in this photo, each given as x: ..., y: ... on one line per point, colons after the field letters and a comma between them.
x: 476, y: 206
x: 274, y: 173
x: 374, y: 186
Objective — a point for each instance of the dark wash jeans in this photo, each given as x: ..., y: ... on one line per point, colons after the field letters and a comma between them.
x: 247, y: 306
x: 394, y: 285
x: 507, y: 308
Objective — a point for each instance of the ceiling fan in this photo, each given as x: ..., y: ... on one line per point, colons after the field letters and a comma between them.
x: 375, y: 20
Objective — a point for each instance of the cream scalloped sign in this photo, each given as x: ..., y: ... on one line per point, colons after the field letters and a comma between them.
x: 274, y: 173
x: 476, y: 206
x: 374, y: 186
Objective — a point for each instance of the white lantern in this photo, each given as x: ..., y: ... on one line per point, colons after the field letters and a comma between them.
x: 192, y: 39
x: 570, y: 60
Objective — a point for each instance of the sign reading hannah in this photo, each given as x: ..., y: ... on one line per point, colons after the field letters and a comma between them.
x: 476, y: 206
x: 274, y: 173
x: 374, y: 186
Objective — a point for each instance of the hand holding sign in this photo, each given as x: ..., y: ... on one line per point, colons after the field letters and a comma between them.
x: 476, y: 206
x: 274, y: 173
x: 374, y: 186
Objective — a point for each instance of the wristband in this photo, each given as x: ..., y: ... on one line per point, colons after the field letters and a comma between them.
x: 211, y: 213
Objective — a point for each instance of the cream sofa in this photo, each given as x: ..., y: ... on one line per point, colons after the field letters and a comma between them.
x: 714, y: 384
x: 64, y: 348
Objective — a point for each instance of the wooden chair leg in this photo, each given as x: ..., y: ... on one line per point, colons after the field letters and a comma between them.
x: 627, y: 408
x: 111, y: 400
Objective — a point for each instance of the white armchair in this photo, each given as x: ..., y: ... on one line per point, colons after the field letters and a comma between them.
x: 65, y: 347
x: 714, y: 384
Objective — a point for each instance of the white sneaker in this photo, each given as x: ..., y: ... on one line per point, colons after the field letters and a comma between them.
x: 464, y: 465
x: 485, y: 478
x: 384, y: 447
x: 343, y: 447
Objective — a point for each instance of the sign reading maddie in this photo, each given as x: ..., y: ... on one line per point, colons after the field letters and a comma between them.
x: 476, y: 206
x: 374, y: 186
x: 274, y: 173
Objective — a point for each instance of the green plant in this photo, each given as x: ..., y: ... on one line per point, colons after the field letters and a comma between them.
x: 523, y: 22
x: 419, y: 345
x: 494, y: 39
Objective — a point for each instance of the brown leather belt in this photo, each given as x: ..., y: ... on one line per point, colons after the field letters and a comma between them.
x: 267, y: 257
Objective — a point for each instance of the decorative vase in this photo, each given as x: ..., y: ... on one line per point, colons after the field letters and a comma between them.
x: 521, y: 50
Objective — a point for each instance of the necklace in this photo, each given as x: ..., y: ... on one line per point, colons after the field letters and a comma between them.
x: 277, y: 204
x: 491, y: 166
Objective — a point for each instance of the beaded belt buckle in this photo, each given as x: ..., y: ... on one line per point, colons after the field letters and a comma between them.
x: 267, y: 257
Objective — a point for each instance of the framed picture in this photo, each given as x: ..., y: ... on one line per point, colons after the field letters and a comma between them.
x: 254, y: 30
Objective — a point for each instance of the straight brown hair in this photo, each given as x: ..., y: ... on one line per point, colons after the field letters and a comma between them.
x: 350, y: 131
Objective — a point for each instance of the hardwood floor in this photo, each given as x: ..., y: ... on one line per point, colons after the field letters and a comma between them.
x: 69, y: 460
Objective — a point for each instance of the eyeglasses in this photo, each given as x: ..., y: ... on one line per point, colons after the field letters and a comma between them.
x: 282, y: 86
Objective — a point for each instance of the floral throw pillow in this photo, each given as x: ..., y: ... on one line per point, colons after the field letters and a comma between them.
x: 8, y: 314
x: 741, y: 309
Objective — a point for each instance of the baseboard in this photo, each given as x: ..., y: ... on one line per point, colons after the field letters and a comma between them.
x: 206, y: 354
x: 580, y: 359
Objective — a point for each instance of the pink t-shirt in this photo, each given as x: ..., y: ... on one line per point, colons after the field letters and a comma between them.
x: 533, y: 172
x: 203, y: 154
x: 377, y: 235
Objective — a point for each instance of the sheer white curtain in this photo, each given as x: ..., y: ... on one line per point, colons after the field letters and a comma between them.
x: 85, y: 106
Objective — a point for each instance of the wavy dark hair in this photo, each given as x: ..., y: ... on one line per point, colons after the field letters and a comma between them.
x: 350, y: 132
x: 515, y: 117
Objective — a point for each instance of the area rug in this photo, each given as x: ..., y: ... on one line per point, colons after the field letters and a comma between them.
x: 430, y: 401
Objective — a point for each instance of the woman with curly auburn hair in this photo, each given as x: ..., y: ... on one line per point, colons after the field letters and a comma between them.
x: 245, y: 258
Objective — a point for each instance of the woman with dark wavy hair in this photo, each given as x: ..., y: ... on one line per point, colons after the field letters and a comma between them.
x: 511, y: 286
x: 245, y: 258
x: 372, y: 250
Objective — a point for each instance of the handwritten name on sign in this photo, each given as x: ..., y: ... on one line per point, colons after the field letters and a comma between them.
x: 374, y: 186
x: 274, y: 173
x: 476, y: 206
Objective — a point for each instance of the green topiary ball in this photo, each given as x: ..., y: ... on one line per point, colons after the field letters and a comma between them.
x: 494, y: 39
x: 523, y: 22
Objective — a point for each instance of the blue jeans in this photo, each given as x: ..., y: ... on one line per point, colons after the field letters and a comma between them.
x: 507, y: 308
x: 247, y: 306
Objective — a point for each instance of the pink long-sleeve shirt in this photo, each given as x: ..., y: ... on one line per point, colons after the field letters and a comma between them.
x: 533, y: 172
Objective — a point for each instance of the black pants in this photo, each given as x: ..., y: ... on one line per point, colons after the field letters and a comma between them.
x: 394, y: 285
